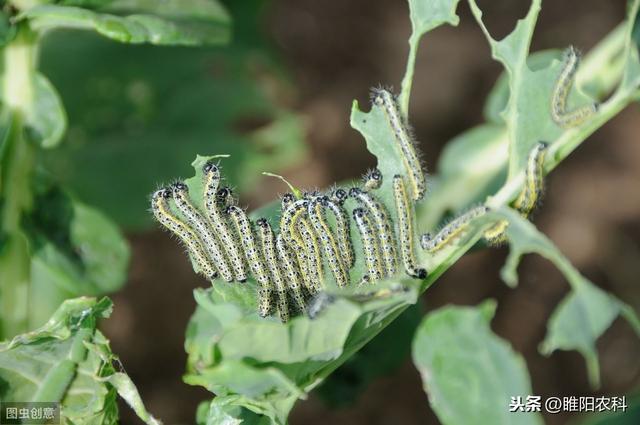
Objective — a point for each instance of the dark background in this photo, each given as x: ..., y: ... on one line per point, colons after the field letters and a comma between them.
x: 335, y: 51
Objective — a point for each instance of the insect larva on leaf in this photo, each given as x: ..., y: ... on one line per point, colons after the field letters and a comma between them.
x: 405, y: 227
x: 372, y: 179
x: 292, y: 274
x: 451, y: 231
x: 200, y: 226
x: 560, y: 96
x: 403, y: 137
x: 162, y: 213
x: 271, y: 258
x: 254, y: 258
x: 533, y: 190
x: 315, y: 210
x: 370, y: 246
x: 384, y: 229
x: 529, y: 196
x: 334, y: 203
x: 314, y: 256
x: 224, y: 197
x: 230, y: 245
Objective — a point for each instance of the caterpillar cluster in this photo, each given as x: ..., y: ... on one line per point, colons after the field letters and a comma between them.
x: 559, y: 113
x: 313, y: 244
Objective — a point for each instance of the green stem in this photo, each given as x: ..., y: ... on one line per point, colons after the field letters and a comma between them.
x: 16, y: 166
x: 407, y: 80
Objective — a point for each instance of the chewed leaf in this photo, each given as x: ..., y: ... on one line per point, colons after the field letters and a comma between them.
x: 425, y: 16
x: 584, y: 315
x: 65, y: 360
x: 580, y: 319
x: 467, y: 370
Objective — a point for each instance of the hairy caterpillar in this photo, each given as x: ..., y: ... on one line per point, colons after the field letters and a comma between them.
x: 534, y: 180
x: 296, y: 242
x: 529, y: 196
x: 291, y: 272
x: 386, y: 100
x: 372, y: 179
x: 200, y: 226
x: 224, y: 197
x: 380, y: 218
x: 451, y: 231
x: 561, y: 90
x: 370, y: 242
x: 160, y: 209
x: 405, y: 227
x: 315, y: 210
x: 314, y: 257
x: 214, y: 214
x: 271, y: 258
x: 254, y: 257
x: 322, y: 300
x: 334, y: 202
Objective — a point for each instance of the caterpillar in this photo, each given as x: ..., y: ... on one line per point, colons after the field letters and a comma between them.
x: 220, y: 226
x: 322, y: 300
x: 199, y: 224
x: 314, y: 257
x: 334, y: 203
x: 383, y: 227
x: 451, y: 231
x: 529, y: 196
x: 271, y: 258
x: 372, y: 179
x: 291, y: 272
x: 296, y: 242
x: 254, y: 257
x: 561, y: 90
x: 496, y: 236
x: 370, y: 243
x: 224, y: 197
x: 161, y: 212
x: 315, y: 210
x: 403, y: 137
x: 405, y: 227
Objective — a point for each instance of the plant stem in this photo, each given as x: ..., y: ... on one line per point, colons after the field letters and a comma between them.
x: 16, y: 165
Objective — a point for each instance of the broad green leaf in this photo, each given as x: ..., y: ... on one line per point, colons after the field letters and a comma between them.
x: 75, y: 250
x: 172, y: 26
x: 584, y: 314
x: 203, y: 10
x: 468, y: 372
x: 149, y: 116
x: 69, y: 361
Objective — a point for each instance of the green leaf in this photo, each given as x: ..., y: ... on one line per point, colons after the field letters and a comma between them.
x: 584, y: 314
x: 469, y: 373
x: 69, y: 361
x: 173, y: 25
x: 75, y: 250
x: 149, y: 116
x: 47, y: 119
